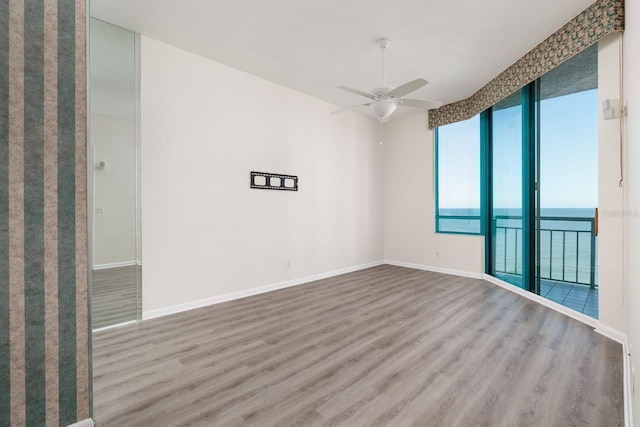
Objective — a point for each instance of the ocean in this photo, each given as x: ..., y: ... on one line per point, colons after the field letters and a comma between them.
x: 564, y: 246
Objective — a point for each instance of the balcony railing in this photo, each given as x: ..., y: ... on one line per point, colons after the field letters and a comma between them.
x: 566, y: 251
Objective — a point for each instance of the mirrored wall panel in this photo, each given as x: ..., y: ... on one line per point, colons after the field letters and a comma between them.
x: 114, y: 176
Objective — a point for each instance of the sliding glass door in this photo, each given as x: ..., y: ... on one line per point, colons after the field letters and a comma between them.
x: 543, y: 189
x: 567, y: 183
x: 506, y: 200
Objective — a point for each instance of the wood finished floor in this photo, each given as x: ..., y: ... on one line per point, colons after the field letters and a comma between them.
x: 113, y: 295
x: 379, y: 347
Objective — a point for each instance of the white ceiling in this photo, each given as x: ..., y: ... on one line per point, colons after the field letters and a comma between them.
x: 314, y: 46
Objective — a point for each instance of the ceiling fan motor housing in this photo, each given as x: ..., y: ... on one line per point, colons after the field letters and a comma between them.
x: 382, y: 91
x: 383, y: 43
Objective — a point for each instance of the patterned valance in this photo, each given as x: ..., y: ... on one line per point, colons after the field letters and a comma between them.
x: 597, y: 21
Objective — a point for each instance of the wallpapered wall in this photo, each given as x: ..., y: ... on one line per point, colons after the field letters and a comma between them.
x: 44, y: 329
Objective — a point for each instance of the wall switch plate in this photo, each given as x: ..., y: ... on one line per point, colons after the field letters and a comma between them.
x: 611, y: 109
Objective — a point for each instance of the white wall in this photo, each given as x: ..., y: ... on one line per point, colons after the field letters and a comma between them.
x: 632, y: 187
x: 409, y: 209
x: 610, y: 195
x: 205, y: 233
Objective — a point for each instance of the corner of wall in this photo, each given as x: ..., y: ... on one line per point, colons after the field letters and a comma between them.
x: 631, y: 72
x: 409, y: 204
x: 610, y: 194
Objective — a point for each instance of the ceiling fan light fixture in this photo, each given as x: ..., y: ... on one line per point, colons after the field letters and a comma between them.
x: 385, y: 99
x: 383, y: 109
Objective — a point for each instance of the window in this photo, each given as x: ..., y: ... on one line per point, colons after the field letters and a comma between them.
x: 458, y: 177
x: 525, y: 174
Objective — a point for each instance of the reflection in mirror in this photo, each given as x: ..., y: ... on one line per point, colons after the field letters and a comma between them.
x: 115, y: 251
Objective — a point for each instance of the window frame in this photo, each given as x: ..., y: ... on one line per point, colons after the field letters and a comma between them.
x: 483, y: 139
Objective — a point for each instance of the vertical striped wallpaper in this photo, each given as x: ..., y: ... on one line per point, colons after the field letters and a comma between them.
x: 44, y: 321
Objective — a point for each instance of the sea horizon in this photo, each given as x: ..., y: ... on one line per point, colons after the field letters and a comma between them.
x: 569, y: 212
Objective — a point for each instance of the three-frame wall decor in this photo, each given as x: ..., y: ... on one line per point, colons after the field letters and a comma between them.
x: 274, y: 181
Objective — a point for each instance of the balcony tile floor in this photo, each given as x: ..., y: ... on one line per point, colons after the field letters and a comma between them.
x: 577, y: 297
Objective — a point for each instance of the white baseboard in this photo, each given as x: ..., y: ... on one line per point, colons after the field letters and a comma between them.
x: 542, y: 300
x: 469, y: 274
x: 611, y: 333
x: 253, y: 291
x: 117, y: 264
x: 618, y: 336
x: 607, y: 331
x: 626, y: 369
x: 628, y: 392
x: 84, y: 423
x: 117, y: 325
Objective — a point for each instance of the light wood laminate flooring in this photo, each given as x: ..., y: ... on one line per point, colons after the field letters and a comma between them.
x: 379, y: 347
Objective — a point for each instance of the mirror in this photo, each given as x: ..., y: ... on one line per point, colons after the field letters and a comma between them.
x: 114, y: 176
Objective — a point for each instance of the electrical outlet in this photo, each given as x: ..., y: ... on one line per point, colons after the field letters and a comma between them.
x: 437, y: 254
x: 100, y: 210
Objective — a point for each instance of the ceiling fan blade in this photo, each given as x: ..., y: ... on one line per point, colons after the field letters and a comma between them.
x: 408, y: 88
x: 418, y: 103
x: 358, y: 92
x: 350, y: 108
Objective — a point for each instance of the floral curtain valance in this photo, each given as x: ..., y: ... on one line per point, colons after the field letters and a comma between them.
x: 597, y: 21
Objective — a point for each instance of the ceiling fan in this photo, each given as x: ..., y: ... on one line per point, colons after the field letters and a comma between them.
x: 386, y: 99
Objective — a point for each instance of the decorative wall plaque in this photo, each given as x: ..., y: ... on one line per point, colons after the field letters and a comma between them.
x: 274, y: 181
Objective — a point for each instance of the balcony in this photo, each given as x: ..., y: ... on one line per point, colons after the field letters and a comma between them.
x: 566, y: 254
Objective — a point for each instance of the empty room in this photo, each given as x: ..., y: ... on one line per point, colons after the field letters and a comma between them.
x: 330, y: 213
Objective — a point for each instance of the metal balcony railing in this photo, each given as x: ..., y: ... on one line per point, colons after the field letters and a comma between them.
x: 566, y: 251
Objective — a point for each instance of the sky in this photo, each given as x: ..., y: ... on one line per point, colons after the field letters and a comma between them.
x: 568, y: 149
